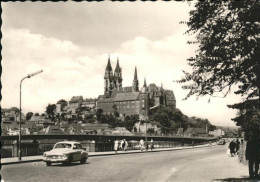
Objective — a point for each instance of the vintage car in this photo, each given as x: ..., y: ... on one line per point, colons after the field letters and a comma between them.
x: 65, y: 152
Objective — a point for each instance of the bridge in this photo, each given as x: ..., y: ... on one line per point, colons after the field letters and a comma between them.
x: 37, y: 144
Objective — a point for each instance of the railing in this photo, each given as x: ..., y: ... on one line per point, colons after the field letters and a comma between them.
x: 36, y: 145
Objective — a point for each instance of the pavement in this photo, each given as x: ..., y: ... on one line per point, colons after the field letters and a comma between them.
x: 15, y: 160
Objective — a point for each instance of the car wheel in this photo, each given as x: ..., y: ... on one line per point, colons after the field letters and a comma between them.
x: 83, y: 160
x: 48, y: 163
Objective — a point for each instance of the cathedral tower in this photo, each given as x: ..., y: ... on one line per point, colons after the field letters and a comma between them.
x: 108, y: 82
x: 135, y: 82
x: 144, y: 95
x: 118, y: 75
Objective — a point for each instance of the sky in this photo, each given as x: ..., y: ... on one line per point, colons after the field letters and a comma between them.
x: 71, y: 43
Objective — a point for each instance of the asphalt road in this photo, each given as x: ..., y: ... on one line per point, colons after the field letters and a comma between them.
x: 202, y: 164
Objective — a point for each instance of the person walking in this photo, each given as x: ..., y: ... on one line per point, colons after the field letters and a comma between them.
x: 116, y: 143
x: 122, y: 145
x: 252, y: 155
x: 151, y: 144
x: 232, y: 148
x: 141, y: 144
x: 126, y: 144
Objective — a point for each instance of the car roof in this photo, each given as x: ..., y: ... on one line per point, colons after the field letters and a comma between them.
x: 69, y: 142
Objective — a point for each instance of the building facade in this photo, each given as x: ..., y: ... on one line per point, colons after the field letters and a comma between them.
x: 131, y: 100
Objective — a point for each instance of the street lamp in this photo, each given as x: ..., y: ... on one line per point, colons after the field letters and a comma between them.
x: 20, y: 133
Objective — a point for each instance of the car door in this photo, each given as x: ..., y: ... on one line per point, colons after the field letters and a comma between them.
x: 77, y: 152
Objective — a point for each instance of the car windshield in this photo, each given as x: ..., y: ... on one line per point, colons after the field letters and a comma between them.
x: 62, y: 145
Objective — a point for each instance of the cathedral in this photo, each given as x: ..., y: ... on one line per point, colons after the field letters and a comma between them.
x: 131, y: 100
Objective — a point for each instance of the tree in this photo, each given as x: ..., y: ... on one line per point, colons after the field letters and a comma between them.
x: 116, y: 113
x: 248, y: 116
x: 29, y: 115
x: 99, y: 113
x: 228, y: 37
x: 50, y: 110
x: 150, y: 131
x: 37, y: 114
x: 130, y: 121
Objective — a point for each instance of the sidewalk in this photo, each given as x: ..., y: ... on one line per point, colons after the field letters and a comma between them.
x: 14, y: 160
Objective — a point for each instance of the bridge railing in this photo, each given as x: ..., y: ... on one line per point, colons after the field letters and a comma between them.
x: 37, y: 145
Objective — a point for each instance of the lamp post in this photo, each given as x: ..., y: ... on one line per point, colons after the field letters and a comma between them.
x: 20, y: 133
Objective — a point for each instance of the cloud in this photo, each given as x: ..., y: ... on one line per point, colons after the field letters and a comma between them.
x: 69, y: 71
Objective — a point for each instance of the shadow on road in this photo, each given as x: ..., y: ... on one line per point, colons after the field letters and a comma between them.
x: 244, y: 178
x: 68, y: 165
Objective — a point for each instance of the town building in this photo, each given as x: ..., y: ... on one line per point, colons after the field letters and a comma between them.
x: 12, y: 114
x: 61, y: 106
x: 131, y: 100
x: 89, y: 103
x: 144, y: 127
x: 74, y: 104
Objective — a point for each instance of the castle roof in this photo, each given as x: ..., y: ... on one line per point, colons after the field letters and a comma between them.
x: 106, y: 100
x: 126, y: 96
x: 152, y: 87
x: 125, y: 89
x: 170, y: 93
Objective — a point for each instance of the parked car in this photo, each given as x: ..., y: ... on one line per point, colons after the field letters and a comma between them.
x: 222, y: 142
x: 65, y: 152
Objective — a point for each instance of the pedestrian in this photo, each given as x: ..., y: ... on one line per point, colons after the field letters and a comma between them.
x: 146, y: 145
x: 232, y: 148
x: 141, y: 144
x: 126, y: 144
x: 116, y: 145
x: 237, y: 146
x: 252, y: 155
x: 123, y: 144
x: 151, y: 144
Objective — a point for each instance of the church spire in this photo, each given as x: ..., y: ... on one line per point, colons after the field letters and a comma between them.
x: 135, y: 82
x: 135, y: 77
x: 108, y: 78
x: 145, y: 82
x: 117, y: 66
x: 109, y: 67
x: 118, y: 75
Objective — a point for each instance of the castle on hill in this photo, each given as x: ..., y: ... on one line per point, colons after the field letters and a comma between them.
x: 131, y: 100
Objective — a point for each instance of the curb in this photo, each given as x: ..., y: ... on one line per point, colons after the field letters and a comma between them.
x: 96, y: 155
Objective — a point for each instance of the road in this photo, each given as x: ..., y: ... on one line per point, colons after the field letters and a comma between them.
x: 202, y: 164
